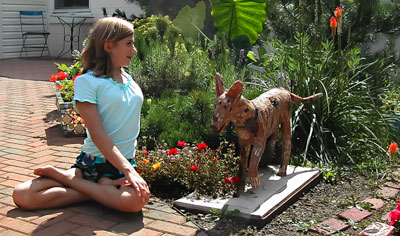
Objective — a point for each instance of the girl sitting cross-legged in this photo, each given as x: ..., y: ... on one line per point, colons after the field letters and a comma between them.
x: 109, y: 101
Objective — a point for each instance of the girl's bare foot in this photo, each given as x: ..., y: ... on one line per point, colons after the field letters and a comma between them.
x: 54, y: 173
x: 108, y: 181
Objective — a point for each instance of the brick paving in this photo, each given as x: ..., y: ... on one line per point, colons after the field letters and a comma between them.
x: 30, y: 136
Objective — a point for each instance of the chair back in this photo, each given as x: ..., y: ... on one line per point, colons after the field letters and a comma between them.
x: 32, y: 21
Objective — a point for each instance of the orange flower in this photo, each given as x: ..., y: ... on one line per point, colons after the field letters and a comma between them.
x: 145, y: 161
x: 393, y: 149
x: 338, y: 12
x: 333, y: 25
x: 156, y: 166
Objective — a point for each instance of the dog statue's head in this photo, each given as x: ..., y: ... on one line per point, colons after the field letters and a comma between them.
x: 224, y: 104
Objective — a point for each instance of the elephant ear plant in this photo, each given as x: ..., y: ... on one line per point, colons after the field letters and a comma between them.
x: 242, y: 20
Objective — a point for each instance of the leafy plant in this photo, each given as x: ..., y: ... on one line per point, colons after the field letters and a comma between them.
x: 238, y: 18
x: 199, y: 168
x: 191, y: 20
x: 65, y: 79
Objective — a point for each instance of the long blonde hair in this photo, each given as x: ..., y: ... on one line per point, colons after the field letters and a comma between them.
x: 94, y: 57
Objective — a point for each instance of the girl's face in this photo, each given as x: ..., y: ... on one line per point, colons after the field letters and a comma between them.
x: 121, y: 51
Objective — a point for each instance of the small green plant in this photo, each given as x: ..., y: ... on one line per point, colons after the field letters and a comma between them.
x: 65, y: 79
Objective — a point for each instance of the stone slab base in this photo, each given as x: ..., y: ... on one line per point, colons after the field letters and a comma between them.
x: 260, y: 205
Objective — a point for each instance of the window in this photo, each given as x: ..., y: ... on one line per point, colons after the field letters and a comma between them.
x: 71, y: 4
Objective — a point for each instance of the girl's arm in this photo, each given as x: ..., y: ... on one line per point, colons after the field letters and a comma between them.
x: 104, y: 143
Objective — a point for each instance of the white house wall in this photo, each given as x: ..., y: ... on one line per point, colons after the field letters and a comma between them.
x: 57, y: 33
x: 10, y: 30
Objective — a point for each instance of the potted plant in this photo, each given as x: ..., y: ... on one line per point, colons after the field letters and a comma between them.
x: 71, y: 122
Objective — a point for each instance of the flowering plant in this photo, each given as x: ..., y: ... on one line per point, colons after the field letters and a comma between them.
x: 211, y: 172
x: 393, y: 149
x: 65, y: 79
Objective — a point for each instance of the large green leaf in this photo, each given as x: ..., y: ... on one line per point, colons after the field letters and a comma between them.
x: 239, y: 17
x: 191, y: 20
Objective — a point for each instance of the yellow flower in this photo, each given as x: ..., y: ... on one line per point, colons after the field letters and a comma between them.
x: 156, y: 166
x: 187, y: 74
x: 145, y: 161
x: 148, y: 101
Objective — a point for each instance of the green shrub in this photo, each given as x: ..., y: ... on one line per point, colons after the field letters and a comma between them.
x: 175, y: 117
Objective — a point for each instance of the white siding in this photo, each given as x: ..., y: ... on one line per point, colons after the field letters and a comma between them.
x: 11, y: 30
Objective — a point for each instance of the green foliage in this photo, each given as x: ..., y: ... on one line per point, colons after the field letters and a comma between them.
x: 209, y: 177
x: 176, y: 117
x: 344, y: 127
x: 191, y: 20
x: 238, y: 18
x: 66, y: 87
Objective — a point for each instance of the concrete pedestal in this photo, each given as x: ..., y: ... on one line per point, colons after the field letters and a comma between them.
x: 262, y: 204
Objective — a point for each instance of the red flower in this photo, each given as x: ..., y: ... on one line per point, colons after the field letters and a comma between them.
x: 53, y: 78
x: 145, y: 152
x: 228, y: 180
x: 59, y: 86
x: 395, y: 215
x: 138, y: 170
x: 61, y: 75
x: 219, y: 150
x: 194, y: 167
x: 181, y: 144
x: 235, y: 179
x: 214, y: 159
x: 333, y: 24
x: 338, y: 12
x: 393, y: 149
x: 78, y: 74
x: 173, y: 151
x: 202, y: 146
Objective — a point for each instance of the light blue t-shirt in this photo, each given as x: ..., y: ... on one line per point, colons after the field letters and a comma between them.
x: 119, y: 107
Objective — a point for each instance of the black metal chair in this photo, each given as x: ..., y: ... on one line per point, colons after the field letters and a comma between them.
x: 34, y: 34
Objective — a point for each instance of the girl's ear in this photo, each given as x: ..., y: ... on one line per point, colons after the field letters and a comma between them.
x: 108, y: 46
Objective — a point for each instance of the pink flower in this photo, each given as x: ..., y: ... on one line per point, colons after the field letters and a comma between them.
x: 181, y: 144
x: 202, y: 146
x: 194, y: 167
x: 173, y: 151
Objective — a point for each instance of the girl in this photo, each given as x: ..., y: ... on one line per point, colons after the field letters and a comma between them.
x: 110, y: 102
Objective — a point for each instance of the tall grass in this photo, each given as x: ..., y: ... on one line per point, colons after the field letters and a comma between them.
x: 345, y: 127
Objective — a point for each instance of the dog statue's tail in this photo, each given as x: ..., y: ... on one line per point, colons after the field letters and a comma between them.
x: 298, y: 99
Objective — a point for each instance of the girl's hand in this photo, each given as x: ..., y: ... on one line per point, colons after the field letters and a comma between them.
x: 138, y: 183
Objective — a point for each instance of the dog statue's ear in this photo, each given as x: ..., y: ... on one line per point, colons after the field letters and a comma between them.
x: 235, y: 90
x: 219, y: 86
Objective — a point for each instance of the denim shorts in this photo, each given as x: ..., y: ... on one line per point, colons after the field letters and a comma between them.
x: 93, y: 168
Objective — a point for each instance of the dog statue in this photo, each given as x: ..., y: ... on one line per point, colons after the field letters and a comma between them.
x: 255, y: 121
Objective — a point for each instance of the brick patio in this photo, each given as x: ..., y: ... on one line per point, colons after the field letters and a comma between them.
x: 30, y: 136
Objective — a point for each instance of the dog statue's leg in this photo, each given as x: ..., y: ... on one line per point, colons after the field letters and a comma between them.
x: 244, y: 154
x: 272, y: 142
x: 287, y: 146
x: 257, y: 151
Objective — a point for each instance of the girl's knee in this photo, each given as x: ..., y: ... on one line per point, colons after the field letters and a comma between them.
x: 131, y: 203
x: 21, y: 196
